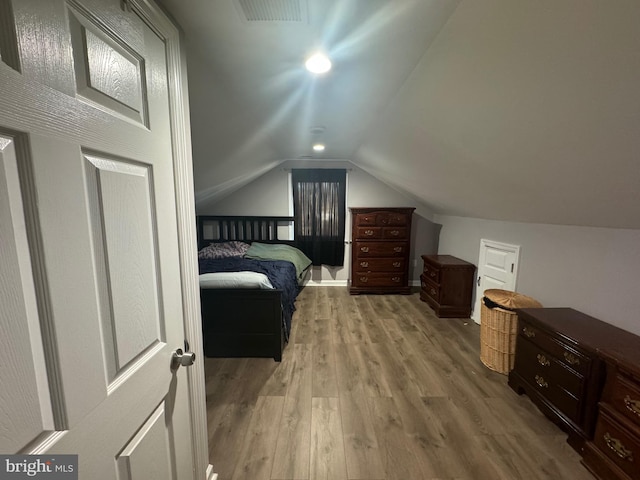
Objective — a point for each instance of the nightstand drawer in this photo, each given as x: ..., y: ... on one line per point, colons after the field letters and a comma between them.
x: 431, y: 272
x: 568, y: 356
x: 618, y: 444
x: 429, y: 288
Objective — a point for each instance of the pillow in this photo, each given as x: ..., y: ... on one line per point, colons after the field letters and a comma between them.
x: 279, y: 251
x: 223, y: 250
x: 235, y: 280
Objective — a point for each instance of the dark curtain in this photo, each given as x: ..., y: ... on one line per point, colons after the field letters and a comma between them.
x: 319, y: 211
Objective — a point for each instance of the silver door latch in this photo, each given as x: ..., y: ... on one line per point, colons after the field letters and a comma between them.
x: 180, y: 358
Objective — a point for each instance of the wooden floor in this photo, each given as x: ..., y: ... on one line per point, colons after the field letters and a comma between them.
x: 375, y: 387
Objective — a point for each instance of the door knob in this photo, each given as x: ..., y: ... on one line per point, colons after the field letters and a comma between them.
x: 180, y: 358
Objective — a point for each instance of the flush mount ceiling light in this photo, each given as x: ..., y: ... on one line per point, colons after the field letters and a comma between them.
x: 318, y: 63
x: 318, y: 147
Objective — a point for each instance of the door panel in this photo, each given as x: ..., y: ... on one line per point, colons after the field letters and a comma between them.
x: 148, y: 454
x: 108, y: 74
x: 99, y: 181
x: 26, y: 409
x: 124, y: 227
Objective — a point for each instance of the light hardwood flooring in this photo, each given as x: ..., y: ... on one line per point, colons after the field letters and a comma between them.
x: 376, y: 387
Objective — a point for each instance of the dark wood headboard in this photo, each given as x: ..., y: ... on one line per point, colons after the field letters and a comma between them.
x: 220, y: 228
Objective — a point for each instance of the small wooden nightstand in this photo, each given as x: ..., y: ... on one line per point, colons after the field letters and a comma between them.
x: 446, y: 284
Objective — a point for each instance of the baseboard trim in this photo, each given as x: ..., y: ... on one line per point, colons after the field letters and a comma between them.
x: 326, y: 283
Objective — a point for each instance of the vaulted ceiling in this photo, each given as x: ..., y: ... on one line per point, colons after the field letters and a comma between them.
x: 518, y: 110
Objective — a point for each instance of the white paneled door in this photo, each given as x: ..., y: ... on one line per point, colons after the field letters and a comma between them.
x: 92, y: 281
x: 497, y: 268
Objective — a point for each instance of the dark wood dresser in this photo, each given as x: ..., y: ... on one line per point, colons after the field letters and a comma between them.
x: 446, y: 284
x: 557, y: 366
x: 380, y: 250
x: 614, y: 451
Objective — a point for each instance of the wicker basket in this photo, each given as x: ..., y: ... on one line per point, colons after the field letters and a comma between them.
x: 499, y: 328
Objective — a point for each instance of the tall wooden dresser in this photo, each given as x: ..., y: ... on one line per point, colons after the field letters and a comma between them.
x: 380, y: 250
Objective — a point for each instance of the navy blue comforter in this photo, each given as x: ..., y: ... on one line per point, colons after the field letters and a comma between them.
x: 281, y: 274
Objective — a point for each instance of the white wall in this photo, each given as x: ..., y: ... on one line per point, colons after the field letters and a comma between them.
x: 593, y: 270
x: 270, y: 195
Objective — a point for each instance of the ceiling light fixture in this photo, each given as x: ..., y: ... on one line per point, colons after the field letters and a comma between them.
x: 318, y: 147
x: 318, y: 63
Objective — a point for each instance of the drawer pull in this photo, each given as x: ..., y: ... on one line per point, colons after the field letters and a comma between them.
x: 542, y: 360
x: 618, y: 448
x: 395, y: 279
x: 397, y: 264
x: 541, y: 382
x: 368, y: 232
x: 571, y: 358
x: 433, y: 291
x: 632, y: 405
x: 364, y: 249
x: 364, y: 279
x: 395, y: 233
x: 364, y: 264
x: 397, y: 249
x: 528, y: 332
x: 432, y: 274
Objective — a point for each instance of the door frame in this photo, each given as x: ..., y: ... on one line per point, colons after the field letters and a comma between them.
x: 484, y: 243
x: 185, y: 209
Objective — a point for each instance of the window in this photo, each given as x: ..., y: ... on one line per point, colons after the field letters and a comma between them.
x: 319, y: 212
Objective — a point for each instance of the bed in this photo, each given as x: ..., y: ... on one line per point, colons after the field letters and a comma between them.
x: 247, y: 303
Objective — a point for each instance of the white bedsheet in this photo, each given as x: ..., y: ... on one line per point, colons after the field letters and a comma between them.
x: 235, y: 280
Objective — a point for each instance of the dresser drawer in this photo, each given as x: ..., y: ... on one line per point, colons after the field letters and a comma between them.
x: 380, y: 265
x: 566, y: 355
x: 537, y: 361
x: 380, y: 249
x: 365, y: 219
x: 625, y: 398
x: 553, y: 392
x: 394, y: 233
x: 617, y: 443
x: 367, y: 232
x: 378, y: 279
x: 381, y: 219
x: 387, y: 233
x: 392, y: 219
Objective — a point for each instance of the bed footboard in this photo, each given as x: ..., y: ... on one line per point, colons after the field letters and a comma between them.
x: 242, y: 323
